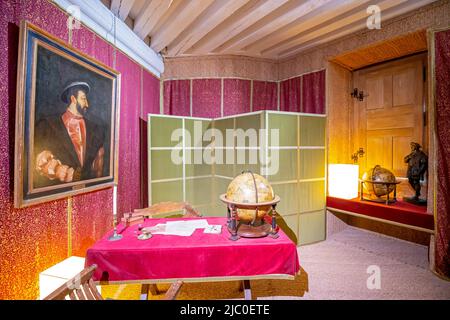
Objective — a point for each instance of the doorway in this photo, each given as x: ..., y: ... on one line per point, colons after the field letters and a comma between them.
x: 389, y: 113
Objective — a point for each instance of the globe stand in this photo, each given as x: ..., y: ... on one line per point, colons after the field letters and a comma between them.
x: 255, y: 229
x: 386, y: 200
x: 232, y: 223
x: 273, y: 233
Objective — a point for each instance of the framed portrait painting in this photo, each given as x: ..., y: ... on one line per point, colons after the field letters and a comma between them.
x: 67, y: 120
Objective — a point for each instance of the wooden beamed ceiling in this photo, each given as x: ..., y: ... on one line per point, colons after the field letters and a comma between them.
x: 275, y: 29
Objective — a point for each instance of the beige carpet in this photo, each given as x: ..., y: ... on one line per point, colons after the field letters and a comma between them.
x: 332, y: 269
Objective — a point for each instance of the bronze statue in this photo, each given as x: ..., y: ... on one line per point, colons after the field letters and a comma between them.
x: 417, y: 162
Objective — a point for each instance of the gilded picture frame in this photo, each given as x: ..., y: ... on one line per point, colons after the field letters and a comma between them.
x: 67, y: 120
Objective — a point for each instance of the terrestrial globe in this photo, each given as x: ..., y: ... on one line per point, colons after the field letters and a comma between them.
x: 250, y: 189
x: 379, y: 174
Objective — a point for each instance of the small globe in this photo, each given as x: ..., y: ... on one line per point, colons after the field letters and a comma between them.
x: 250, y: 188
x: 378, y: 174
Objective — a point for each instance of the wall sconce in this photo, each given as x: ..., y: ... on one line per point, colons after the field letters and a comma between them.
x: 358, y: 94
x: 343, y: 181
x: 358, y: 154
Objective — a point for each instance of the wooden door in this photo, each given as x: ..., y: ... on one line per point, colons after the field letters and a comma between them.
x: 391, y: 115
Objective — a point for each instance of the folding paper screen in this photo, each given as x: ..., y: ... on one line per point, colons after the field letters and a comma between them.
x: 300, y: 181
x: 173, y: 173
x: 298, y: 177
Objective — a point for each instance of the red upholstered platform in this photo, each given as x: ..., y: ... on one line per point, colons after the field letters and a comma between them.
x: 400, y: 211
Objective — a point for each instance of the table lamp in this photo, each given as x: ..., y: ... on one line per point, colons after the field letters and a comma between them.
x: 343, y: 180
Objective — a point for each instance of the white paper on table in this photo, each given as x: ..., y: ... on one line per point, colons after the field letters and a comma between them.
x: 214, y: 228
x: 195, y: 223
x: 186, y: 233
x: 160, y: 228
x: 178, y: 228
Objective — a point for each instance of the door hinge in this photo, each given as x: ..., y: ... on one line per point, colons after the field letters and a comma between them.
x: 424, y: 73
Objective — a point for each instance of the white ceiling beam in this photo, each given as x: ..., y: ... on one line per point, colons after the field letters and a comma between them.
x: 181, y: 19
x: 388, y: 12
x: 99, y: 18
x: 312, y: 19
x: 149, y: 17
x: 211, y: 18
x: 122, y: 8
x: 291, y: 11
x: 330, y: 26
x: 175, y: 5
x: 242, y: 19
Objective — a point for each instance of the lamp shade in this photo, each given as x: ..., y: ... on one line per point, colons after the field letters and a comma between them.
x: 343, y: 180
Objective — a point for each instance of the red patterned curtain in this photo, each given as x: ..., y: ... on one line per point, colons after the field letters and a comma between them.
x: 236, y: 96
x: 264, y: 95
x: 177, y: 97
x: 290, y: 98
x: 313, y: 93
x: 442, y: 72
x: 206, y: 98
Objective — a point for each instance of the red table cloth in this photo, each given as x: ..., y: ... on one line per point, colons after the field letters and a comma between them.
x: 197, y: 256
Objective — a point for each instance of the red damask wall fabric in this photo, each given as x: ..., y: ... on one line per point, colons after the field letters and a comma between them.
x: 313, y: 92
x: 442, y: 71
x: 290, y: 94
x: 206, y: 98
x: 91, y: 212
x: 129, y: 163
x: 264, y: 95
x: 150, y: 94
x: 236, y: 96
x: 150, y: 104
x: 33, y: 238
x: 37, y: 237
x: 177, y: 97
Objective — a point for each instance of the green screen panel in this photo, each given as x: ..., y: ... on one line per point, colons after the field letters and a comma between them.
x: 220, y: 187
x: 166, y: 191
x: 247, y: 160
x: 288, y: 193
x: 312, y: 163
x: 198, y: 191
x: 217, y: 210
x: 222, y: 125
x: 196, y: 129
x: 312, y: 195
x: 252, y: 121
x: 311, y: 227
x: 161, y: 129
x: 195, y: 164
x: 208, y: 210
x: 312, y: 131
x: 222, y: 167
x: 248, y: 130
x: 287, y: 126
x: 286, y: 168
x: 289, y: 225
x: 162, y: 166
